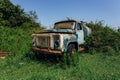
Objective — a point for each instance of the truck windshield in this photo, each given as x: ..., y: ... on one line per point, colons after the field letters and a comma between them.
x: 64, y: 25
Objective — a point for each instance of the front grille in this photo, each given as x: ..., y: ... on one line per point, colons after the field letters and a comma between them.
x: 43, y: 41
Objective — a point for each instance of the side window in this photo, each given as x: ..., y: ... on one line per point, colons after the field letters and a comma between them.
x: 79, y: 26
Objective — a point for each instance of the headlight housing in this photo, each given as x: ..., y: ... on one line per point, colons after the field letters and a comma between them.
x: 56, y: 41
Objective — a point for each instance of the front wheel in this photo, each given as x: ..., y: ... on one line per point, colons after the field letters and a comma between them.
x: 71, y: 50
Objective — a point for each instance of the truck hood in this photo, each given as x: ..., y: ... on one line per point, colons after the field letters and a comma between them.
x: 57, y: 31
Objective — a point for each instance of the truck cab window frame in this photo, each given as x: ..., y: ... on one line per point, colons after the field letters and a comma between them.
x: 78, y: 26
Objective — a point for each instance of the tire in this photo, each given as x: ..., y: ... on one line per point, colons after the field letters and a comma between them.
x: 71, y: 50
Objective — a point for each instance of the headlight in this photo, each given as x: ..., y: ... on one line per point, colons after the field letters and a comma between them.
x: 56, y: 41
x: 56, y: 44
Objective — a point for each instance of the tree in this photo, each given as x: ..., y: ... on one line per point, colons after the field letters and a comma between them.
x: 12, y: 15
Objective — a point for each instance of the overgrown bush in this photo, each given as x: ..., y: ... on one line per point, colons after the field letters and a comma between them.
x: 103, y: 38
x: 16, y: 40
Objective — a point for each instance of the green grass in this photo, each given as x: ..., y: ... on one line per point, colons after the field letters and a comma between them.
x: 89, y: 67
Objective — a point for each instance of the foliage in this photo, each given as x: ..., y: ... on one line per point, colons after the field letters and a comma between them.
x: 90, y: 67
x: 16, y: 40
x: 12, y: 15
x: 103, y: 38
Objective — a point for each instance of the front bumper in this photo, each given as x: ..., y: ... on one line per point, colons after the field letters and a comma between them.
x: 47, y: 51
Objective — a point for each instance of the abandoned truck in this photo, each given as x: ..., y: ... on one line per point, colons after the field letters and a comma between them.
x: 66, y: 36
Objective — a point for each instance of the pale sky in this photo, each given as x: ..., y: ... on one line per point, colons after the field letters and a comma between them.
x: 50, y: 11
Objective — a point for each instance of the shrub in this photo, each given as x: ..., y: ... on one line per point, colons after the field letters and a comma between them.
x: 102, y: 38
x: 16, y: 40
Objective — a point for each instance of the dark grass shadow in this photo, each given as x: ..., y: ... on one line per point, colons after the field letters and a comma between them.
x: 46, y: 59
x: 49, y: 59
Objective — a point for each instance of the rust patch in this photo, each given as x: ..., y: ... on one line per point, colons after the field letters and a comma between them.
x: 47, y: 51
x: 70, y: 34
x: 2, y: 54
x: 81, y: 49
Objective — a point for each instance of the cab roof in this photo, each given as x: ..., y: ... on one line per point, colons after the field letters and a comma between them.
x: 66, y: 21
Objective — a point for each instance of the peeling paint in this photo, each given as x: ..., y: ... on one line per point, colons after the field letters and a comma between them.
x: 58, y: 39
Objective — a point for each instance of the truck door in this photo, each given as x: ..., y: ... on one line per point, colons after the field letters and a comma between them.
x: 79, y: 34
